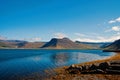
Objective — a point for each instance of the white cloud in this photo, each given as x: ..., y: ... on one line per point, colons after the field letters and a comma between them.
x: 97, y: 38
x: 85, y: 40
x: 114, y: 21
x: 111, y: 39
x: 118, y: 19
x: 60, y: 35
x: 114, y: 28
x: 111, y: 21
x: 93, y: 39
x: 79, y: 34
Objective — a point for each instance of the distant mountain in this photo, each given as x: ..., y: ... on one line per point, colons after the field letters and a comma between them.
x: 5, y: 45
x: 55, y: 43
x: 97, y: 45
x: 12, y: 43
x: 115, y: 46
x: 33, y: 45
x: 20, y: 44
x: 64, y: 43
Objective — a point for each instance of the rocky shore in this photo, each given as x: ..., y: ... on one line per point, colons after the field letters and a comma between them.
x: 107, y: 69
x: 111, y: 67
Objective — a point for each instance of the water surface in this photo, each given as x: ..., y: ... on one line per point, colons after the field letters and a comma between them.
x: 17, y: 63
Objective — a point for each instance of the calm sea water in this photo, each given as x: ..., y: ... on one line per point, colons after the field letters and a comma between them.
x: 18, y: 63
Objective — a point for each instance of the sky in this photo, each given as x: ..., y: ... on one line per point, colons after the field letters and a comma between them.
x: 41, y: 20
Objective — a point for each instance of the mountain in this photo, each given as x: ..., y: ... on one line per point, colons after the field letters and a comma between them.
x: 97, y: 45
x: 20, y: 44
x: 64, y: 43
x: 33, y: 45
x: 11, y: 43
x: 54, y: 43
x: 7, y: 44
x: 115, y: 46
x: 4, y: 45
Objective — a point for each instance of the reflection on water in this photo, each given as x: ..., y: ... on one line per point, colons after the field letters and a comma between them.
x: 36, y: 58
x: 60, y: 59
x: 17, y: 63
x: 82, y: 57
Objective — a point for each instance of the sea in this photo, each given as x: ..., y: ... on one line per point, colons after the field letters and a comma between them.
x: 16, y: 64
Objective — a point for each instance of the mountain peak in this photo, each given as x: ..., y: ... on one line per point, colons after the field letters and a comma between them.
x: 65, y: 38
x: 64, y: 43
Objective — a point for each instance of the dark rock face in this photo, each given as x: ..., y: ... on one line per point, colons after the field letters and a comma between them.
x: 104, y: 65
x: 51, y: 43
x: 111, y: 67
x: 93, y: 67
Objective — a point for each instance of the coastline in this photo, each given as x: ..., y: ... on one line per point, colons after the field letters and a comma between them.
x: 72, y: 73
x: 62, y: 73
x: 111, y: 50
x: 52, y: 48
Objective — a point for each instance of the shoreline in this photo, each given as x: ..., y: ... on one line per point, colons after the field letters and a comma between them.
x: 73, y: 72
x: 48, y: 49
x: 111, y: 50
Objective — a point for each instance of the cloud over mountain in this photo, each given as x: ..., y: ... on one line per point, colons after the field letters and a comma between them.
x: 60, y: 35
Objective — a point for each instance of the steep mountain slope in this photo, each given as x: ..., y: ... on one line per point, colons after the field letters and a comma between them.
x: 115, y: 46
x: 64, y: 43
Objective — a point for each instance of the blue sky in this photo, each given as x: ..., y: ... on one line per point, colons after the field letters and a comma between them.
x: 41, y: 20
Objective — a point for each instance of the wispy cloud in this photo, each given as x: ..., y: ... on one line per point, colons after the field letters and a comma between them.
x: 115, y: 20
x: 79, y: 34
x: 114, y: 28
x: 2, y: 38
x: 36, y: 39
x: 60, y: 35
x: 112, y: 21
x: 97, y: 38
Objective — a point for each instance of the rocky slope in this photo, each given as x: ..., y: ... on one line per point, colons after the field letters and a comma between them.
x: 115, y: 46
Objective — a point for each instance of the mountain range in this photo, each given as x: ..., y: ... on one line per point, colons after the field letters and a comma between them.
x: 20, y: 44
x: 55, y: 43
